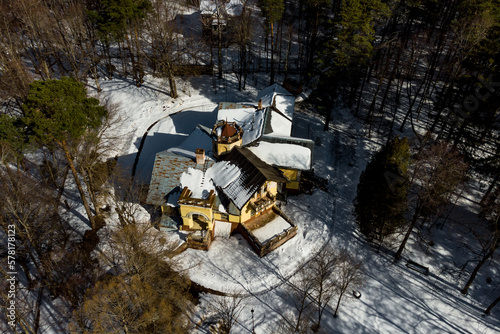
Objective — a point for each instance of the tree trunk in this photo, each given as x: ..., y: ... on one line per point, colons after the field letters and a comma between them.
x: 90, y: 188
x: 492, y: 305
x: 219, y: 45
x: 338, y: 304
x: 69, y: 159
x: 132, y: 58
x: 171, y: 81
x: 139, y: 69
x: 490, y: 188
x: 272, y: 54
x: 360, y: 95
x: 371, y: 110
x: 391, y: 79
x: 397, y: 257
x: 476, y: 270
x: 37, y: 310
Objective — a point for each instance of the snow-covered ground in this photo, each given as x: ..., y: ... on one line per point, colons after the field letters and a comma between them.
x: 394, y: 299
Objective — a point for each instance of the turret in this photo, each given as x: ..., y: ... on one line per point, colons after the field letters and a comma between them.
x: 225, y: 136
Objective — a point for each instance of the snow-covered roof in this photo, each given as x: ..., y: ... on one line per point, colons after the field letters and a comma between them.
x: 232, y: 8
x: 270, y: 230
x: 240, y: 186
x: 165, y: 185
x: 284, y: 155
x: 223, y: 173
x: 194, y: 179
x: 237, y: 178
x: 279, y: 98
x: 277, y: 124
x: 201, y: 182
x: 199, y: 138
x: 166, y: 176
x: 251, y: 121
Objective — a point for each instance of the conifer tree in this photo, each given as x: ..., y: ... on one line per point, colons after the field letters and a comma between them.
x: 381, y: 201
x: 11, y: 138
x: 272, y: 10
x: 58, y: 112
x: 112, y: 18
x: 350, y: 45
x: 438, y: 171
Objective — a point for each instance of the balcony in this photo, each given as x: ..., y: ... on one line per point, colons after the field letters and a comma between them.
x: 263, y: 203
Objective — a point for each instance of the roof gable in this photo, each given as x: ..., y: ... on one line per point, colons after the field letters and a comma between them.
x: 167, y: 171
x: 253, y: 174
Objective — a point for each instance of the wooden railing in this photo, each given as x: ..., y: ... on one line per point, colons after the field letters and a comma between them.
x: 277, y: 240
x: 197, y: 241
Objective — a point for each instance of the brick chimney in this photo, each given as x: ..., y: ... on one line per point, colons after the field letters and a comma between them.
x: 200, y: 156
x: 259, y: 106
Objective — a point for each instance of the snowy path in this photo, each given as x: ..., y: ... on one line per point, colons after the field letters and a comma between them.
x: 173, y: 112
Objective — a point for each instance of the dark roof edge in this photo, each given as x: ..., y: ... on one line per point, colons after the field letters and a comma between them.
x: 268, y: 171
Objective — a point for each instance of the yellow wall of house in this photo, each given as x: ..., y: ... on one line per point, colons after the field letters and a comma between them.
x: 293, y: 177
x: 246, y: 212
x: 290, y: 174
x: 234, y: 219
x: 230, y: 218
x: 225, y: 148
x: 187, y: 212
x: 272, y: 188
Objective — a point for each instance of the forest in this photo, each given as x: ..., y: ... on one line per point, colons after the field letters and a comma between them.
x: 421, y: 76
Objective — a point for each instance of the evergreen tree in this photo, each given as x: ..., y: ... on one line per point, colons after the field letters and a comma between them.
x: 347, y: 50
x: 381, y: 201
x: 438, y: 171
x: 59, y: 112
x: 112, y: 18
x: 12, y: 140
x: 272, y: 10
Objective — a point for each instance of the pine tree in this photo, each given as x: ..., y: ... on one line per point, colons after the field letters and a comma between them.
x: 438, y: 171
x: 112, y: 18
x: 59, y: 112
x: 381, y: 201
x: 272, y: 10
x: 12, y: 141
x: 349, y: 46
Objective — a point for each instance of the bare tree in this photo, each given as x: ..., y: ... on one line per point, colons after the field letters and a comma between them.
x: 226, y: 310
x: 348, y: 274
x: 130, y: 304
x: 96, y: 155
x: 51, y: 259
x: 489, y: 238
x: 300, y: 291
x: 30, y: 207
x: 150, y: 295
x: 321, y: 271
x: 164, y: 39
x: 242, y: 32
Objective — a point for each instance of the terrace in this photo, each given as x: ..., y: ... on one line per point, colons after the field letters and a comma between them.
x: 268, y: 231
